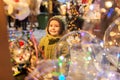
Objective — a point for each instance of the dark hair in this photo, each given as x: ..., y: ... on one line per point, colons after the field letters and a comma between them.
x: 62, y: 24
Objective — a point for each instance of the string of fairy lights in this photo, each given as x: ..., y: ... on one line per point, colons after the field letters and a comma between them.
x: 71, y: 21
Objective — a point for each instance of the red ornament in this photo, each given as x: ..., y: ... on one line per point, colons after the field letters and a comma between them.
x: 21, y: 57
x: 21, y: 43
x: 16, y: 0
x: 84, y: 1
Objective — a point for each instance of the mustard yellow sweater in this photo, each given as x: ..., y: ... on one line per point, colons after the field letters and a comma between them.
x: 47, y: 44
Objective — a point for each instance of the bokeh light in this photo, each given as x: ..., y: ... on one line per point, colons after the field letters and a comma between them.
x: 112, y: 34
x: 76, y: 54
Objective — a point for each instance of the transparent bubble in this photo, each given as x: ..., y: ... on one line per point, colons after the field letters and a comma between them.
x: 20, y: 51
x: 112, y: 42
x: 109, y: 75
x: 113, y: 56
x: 112, y: 34
x: 45, y: 70
x: 76, y: 52
x: 20, y: 46
x: 101, y: 63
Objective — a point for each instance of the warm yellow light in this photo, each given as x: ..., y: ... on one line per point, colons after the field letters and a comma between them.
x: 108, y: 4
x: 103, y: 10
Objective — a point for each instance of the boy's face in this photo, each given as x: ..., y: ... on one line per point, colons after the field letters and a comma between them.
x: 54, y: 28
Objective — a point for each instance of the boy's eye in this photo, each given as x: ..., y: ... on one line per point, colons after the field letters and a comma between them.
x: 54, y: 26
x: 50, y: 26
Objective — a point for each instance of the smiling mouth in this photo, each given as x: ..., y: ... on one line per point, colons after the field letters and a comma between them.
x: 53, y: 31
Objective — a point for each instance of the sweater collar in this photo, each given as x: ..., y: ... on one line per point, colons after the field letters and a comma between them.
x: 53, y: 37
